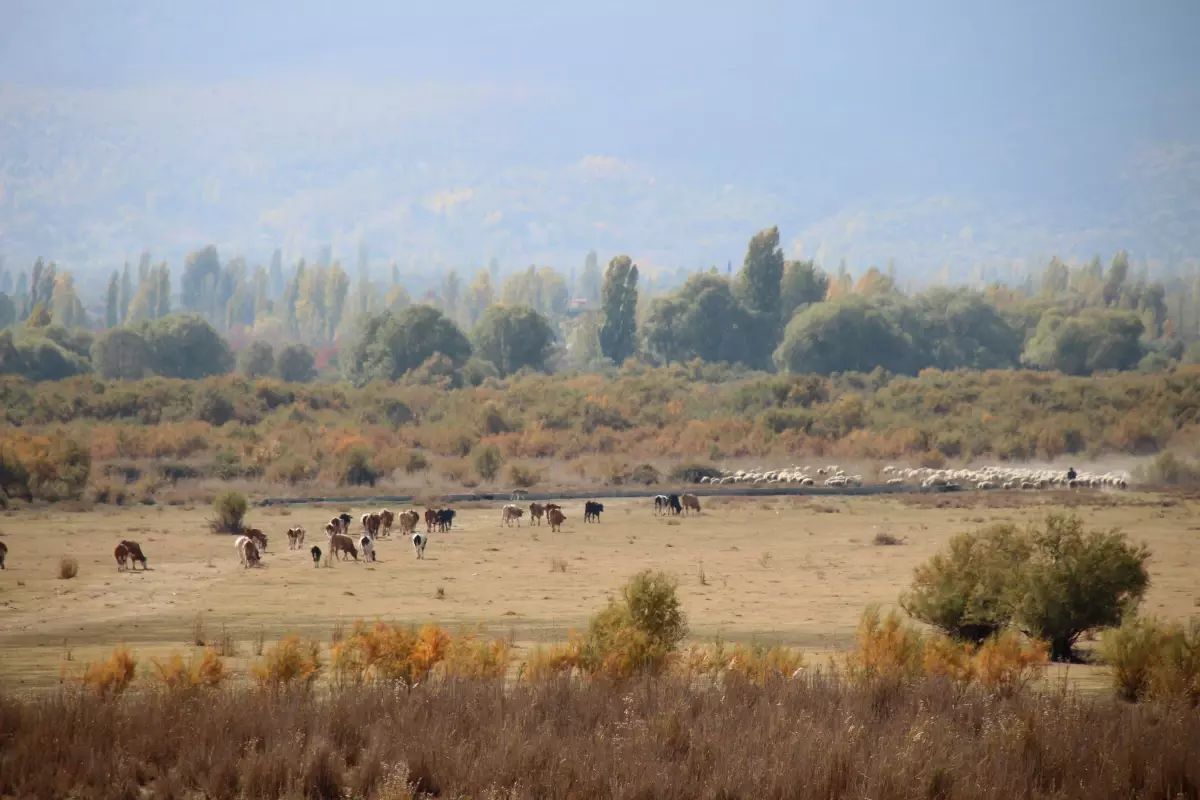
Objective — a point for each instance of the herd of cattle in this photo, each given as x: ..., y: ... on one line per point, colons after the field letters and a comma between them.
x: 252, y: 542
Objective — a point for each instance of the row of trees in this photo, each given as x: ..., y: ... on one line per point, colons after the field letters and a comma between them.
x: 774, y: 314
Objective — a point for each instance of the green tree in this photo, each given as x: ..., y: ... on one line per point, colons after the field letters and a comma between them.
x: 1094, y: 340
x: 275, y: 275
x: 760, y: 279
x: 201, y: 273
x: 803, y: 284
x: 387, y: 345
x: 850, y: 334
x: 296, y: 363
x: 1077, y: 581
x: 121, y: 354
x: 958, y: 328
x: 591, y: 279
x: 112, y: 313
x: 185, y: 346
x: 1118, y: 272
x: 126, y: 294
x: 480, y: 295
x: 256, y: 360
x: 705, y: 320
x: 618, y: 335
x: 8, y: 311
x: 162, y: 294
x: 512, y: 337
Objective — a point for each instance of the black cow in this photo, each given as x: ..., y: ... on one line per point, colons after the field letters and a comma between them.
x: 445, y: 519
x: 316, y: 555
x: 591, y: 511
x: 676, y: 506
x: 346, y: 520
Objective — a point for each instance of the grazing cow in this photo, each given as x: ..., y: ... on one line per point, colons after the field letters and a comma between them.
x: 536, y: 510
x: 341, y: 544
x: 661, y: 504
x: 445, y: 519
x: 556, y: 518
x: 409, y: 520
x: 386, y: 519
x: 368, y: 548
x: 509, y: 513
x: 131, y: 552
x: 674, y: 504
x: 3, y: 554
x: 690, y: 503
x: 295, y: 538
x: 431, y: 519
x: 592, y: 510
x: 316, y: 555
x: 247, y: 551
x: 258, y: 537
x: 345, y: 519
x: 419, y: 541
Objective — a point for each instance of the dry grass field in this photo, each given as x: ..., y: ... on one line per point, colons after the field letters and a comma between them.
x: 796, y: 571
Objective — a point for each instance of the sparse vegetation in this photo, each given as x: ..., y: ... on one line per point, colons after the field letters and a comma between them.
x: 230, y: 510
x: 68, y: 567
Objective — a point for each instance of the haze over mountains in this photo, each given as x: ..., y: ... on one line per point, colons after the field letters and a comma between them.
x: 443, y: 135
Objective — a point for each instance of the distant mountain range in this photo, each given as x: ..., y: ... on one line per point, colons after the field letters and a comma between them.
x: 91, y: 177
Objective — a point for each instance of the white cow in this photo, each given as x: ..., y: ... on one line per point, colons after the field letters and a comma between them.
x: 247, y: 551
x: 368, y: 548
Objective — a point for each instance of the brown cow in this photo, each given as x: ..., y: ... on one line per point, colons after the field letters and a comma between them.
x: 409, y: 520
x: 431, y: 518
x: 556, y: 518
x: 333, y: 527
x: 550, y: 506
x: 690, y: 501
x: 370, y: 523
x: 3, y: 554
x: 536, y: 510
x: 386, y: 518
x: 295, y: 537
x: 258, y: 537
x: 342, y: 543
x: 509, y: 513
x: 128, y: 551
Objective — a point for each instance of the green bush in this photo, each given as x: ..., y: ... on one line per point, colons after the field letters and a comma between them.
x: 638, y: 633
x: 230, y: 509
x: 1148, y: 659
x: 487, y: 461
x: 963, y: 589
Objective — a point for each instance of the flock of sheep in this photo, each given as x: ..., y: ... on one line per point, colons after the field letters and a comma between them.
x: 991, y: 477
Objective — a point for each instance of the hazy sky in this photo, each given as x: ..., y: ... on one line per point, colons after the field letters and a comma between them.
x: 822, y: 102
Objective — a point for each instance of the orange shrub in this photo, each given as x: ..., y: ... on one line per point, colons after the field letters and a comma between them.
x: 175, y: 673
x: 111, y: 677
x: 291, y: 661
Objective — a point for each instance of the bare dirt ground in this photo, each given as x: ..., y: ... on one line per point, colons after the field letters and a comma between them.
x: 794, y: 571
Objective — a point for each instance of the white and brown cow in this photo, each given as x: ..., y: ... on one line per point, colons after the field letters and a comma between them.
x: 509, y: 513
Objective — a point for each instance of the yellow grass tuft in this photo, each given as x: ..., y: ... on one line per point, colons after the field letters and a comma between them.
x: 291, y: 661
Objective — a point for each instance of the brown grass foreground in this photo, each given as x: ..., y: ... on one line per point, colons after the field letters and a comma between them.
x: 653, y: 738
